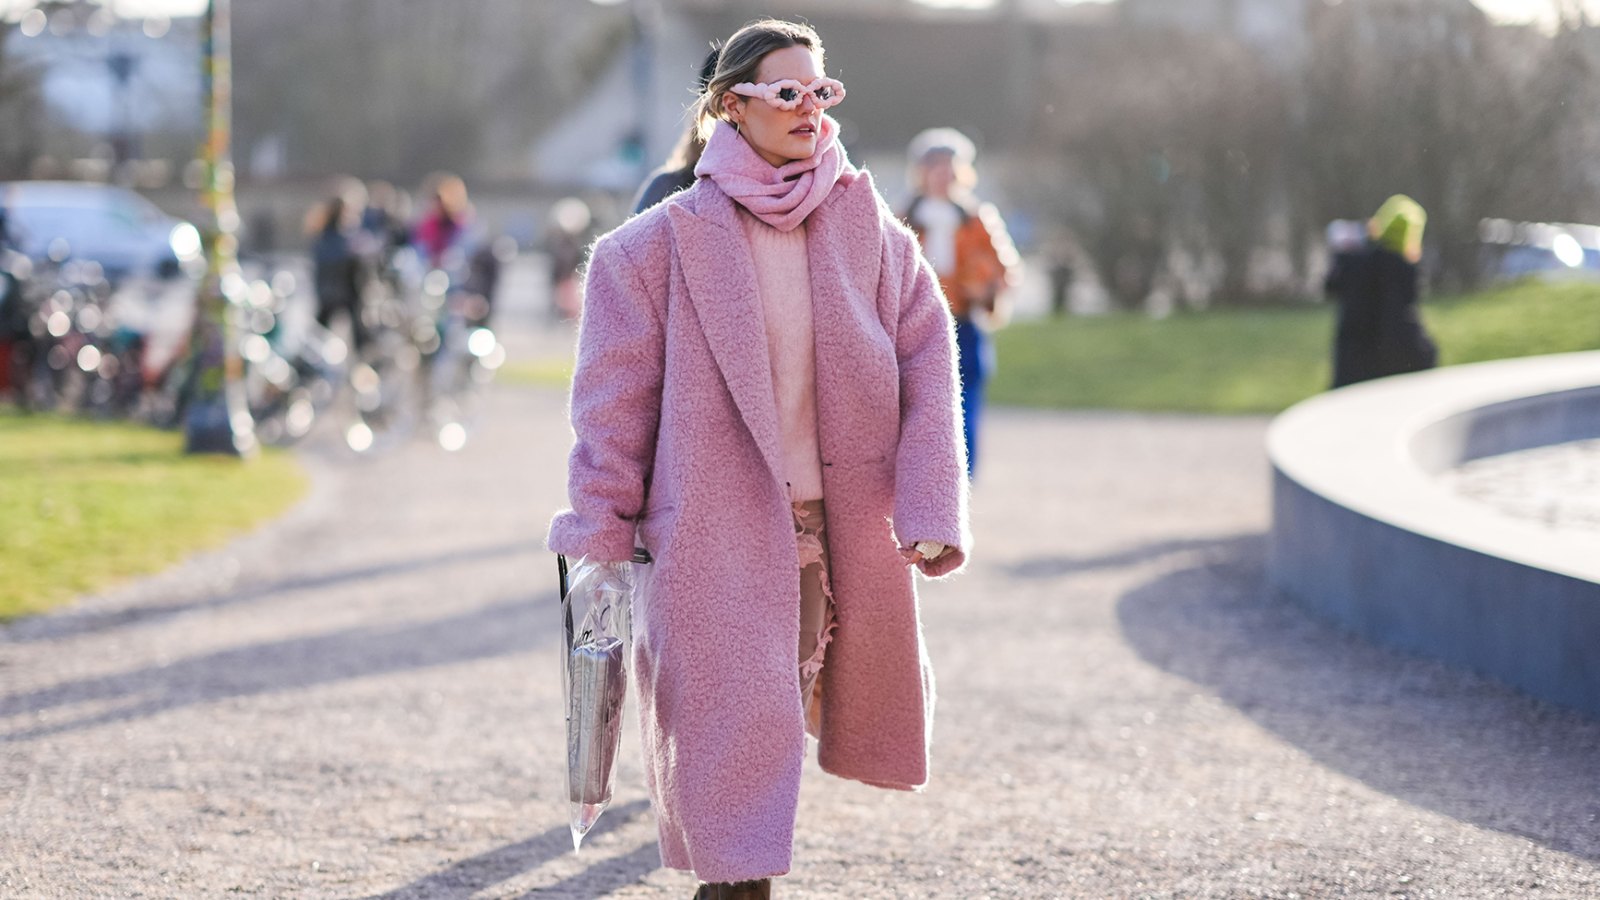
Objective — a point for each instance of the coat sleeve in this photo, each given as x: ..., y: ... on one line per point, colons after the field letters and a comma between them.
x: 615, y: 407
x: 930, y: 465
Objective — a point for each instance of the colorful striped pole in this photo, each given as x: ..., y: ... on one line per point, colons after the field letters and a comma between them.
x: 218, y: 419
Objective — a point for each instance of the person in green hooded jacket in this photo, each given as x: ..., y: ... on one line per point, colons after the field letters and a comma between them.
x: 1380, y: 332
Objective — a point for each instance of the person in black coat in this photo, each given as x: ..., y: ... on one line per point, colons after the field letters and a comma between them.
x: 1380, y: 332
x: 678, y: 172
x: 336, y: 268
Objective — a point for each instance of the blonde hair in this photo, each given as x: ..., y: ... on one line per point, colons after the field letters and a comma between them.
x: 449, y: 191
x: 741, y: 58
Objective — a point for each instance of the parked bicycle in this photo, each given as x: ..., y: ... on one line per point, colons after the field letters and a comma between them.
x: 70, y: 352
x: 430, y: 353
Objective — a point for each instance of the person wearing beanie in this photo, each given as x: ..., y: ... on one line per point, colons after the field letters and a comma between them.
x: 968, y: 246
x: 1380, y: 332
x: 765, y: 400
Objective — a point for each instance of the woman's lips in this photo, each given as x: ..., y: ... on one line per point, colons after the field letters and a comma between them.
x: 804, y: 131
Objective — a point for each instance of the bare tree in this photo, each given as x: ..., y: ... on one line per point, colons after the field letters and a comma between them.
x: 1187, y: 162
x: 1179, y: 138
x: 1433, y: 100
x: 20, y: 111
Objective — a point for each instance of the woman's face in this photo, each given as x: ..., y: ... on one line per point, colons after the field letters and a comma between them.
x: 938, y: 175
x: 778, y: 135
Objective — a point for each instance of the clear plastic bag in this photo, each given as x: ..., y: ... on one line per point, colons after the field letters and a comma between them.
x: 596, y: 606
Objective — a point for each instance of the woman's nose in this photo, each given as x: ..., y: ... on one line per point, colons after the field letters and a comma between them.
x: 808, y: 103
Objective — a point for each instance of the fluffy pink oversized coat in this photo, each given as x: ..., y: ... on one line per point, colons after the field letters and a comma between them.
x: 678, y: 447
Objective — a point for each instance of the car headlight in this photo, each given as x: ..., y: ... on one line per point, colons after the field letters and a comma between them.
x: 185, y: 241
x: 1567, y: 250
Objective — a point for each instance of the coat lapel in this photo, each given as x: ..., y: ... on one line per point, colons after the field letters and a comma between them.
x: 844, y: 249
x: 715, y: 258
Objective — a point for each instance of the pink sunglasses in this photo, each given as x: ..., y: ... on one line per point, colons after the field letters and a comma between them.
x: 789, y: 93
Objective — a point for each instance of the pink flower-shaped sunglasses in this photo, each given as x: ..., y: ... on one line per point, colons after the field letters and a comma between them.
x: 789, y: 93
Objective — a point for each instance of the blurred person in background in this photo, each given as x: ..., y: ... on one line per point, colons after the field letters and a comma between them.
x: 967, y: 244
x: 678, y: 172
x: 263, y: 233
x: 769, y: 336
x: 336, y: 266
x: 384, y: 218
x: 1060, y: 252
x: 1344, y: 239
x: 1376, y: 284
x: 565, y: 241
x: 449, y: 238
x: 484, y: 268
x: 13, y: 314
x: 446, y: 234
x: 5, y: 216
x: 384, y: 234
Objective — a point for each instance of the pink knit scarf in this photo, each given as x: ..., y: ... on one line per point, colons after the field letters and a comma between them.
x: 779, y: 196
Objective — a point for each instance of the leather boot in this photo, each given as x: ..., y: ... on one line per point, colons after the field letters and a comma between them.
x: 744, y: 890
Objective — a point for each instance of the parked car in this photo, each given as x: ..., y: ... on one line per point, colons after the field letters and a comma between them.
x: 113, y: 226
x: 1549, y: 250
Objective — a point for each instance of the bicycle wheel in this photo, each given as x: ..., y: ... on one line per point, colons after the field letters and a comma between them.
x: 384, y: 385
x: 462, y: 370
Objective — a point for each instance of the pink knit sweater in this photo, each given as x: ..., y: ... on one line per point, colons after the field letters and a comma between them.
x: 783, y: 279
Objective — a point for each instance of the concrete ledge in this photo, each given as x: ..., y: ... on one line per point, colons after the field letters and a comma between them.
x: 1508, y: 426
x: 1364, y: 534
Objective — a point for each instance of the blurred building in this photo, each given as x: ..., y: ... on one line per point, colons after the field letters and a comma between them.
x: 115, y: 83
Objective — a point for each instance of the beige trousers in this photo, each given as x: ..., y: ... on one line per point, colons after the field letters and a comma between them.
x: 817, y: 616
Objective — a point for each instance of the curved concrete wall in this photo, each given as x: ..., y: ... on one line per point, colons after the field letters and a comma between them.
x: 1506, y: 427
x: 1364, y: 534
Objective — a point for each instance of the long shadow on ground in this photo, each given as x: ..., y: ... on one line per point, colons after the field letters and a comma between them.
x: 469, y: 876
x: 499, y: 629
x: 605, y: 876
x: 1058, y: 566
x: 75, y: 622
x: 1433, y: 736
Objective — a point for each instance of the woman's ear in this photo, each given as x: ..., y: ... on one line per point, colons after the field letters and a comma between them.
x: 731, y: 108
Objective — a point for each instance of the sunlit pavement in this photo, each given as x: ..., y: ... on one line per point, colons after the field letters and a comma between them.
x: 362, y: 700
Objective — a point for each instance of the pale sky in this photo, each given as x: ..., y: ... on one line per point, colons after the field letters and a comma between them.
x: 1530, y: 10
x: 1505, y: 10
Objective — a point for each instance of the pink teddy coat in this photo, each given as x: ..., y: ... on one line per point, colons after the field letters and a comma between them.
x: 678, y: 449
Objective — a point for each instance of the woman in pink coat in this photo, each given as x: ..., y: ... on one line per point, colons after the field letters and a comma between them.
x: 765, y: 399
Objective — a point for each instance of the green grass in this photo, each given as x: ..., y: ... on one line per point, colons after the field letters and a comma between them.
x: 1262, y: 361
x: 86, y: 504
x: 542, y: 372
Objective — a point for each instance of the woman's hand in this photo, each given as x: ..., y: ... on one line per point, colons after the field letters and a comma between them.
x: 923, y: 551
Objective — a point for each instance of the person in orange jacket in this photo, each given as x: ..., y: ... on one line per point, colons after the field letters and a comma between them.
x: 967, y: 243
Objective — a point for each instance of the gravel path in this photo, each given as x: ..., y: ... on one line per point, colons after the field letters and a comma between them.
x: 361, y: 701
